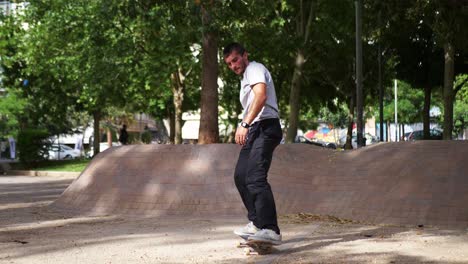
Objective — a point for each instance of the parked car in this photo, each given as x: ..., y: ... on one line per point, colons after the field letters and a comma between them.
x: 434, y: 134
x: 406, y: 136
x: 370, y: 139
x: 102, y: 146
x: 302, y: 139
x: 61, y: 152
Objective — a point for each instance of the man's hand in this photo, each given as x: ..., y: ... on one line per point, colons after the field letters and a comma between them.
x: 241, y: 135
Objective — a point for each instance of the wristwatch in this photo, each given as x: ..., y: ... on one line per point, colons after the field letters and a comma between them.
x: 244, y: 124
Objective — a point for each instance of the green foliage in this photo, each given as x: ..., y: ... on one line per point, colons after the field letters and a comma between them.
x: 32, y: 145
x: 11, y: 107
x: 95, y: 55
x: 146, y: 137
x: 338, y: 118
x: 133, y: 137
x: 460, y: 110
x: 60, y: 165
x: 76, y: 165
x: 334, y: 114
x: 80, y: 56
x: 410, y: 104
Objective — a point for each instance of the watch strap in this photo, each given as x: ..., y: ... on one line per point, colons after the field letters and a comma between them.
x: 244, y: 124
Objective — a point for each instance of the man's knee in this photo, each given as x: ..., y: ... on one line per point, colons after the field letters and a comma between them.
x: 257, y: 187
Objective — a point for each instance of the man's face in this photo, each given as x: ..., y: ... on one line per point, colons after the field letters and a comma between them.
x: 237, y: 62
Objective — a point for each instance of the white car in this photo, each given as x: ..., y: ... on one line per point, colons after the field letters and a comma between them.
x: 368, y: 137
x: 102, y: 146
x: 61, y: 152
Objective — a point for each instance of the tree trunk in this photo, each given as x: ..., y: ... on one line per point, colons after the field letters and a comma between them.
x: 359, y: 94
x: 178, y: 98
x: 209, y: 132
x: 402, y: 135
x: 109, y: 137
x: 388, y: 131
x: 381, y: 90
x: 85, y: 126
x: 381, y: 100
x: 426, y: 111
x: 97, y: 134
x: 349, y: 135
x: 448, y: 90
x: 171, y: 126
x: 294, y: 98
x: 178, y: 95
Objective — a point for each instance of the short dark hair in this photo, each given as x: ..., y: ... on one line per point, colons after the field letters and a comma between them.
x: 234, y: 46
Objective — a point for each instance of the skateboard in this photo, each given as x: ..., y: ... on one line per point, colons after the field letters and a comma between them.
x: 255, y: 247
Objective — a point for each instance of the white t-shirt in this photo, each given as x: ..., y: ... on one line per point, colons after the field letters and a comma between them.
x: 253, y: 74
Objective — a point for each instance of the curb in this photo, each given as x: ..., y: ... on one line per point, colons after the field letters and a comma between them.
x: 42, y: 173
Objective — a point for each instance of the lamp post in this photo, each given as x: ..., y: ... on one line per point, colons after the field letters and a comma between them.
x: 396, y: 111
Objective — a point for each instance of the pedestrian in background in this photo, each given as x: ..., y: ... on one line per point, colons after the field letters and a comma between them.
x: 123, y: 137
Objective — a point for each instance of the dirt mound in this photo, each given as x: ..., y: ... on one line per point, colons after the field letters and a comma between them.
x: 408, y: 183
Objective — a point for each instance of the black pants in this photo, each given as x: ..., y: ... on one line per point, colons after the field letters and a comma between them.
x: 252, y: 171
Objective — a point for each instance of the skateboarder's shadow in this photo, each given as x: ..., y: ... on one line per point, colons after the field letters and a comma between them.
x: 310, y: 242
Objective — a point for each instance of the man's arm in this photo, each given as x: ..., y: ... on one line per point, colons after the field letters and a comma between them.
x: 258, y: 103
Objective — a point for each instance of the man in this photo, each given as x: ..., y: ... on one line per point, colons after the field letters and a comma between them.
x: 259, y: 133
x: 123, y: 138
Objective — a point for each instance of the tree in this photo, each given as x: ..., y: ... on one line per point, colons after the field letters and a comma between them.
x: 333, y: 64
x: 305, y: 16
x: 86, y: 58
x: 460, y: 108
x: 11, y: 108
x: 447, y: 20
x: 209, y: 132
x: 448, y: 28
x: 100, y: 55
x: 263, y: 37
x: 174, y: 56
x: 410, y: 104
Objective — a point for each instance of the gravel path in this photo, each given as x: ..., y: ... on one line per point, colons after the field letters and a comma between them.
x: 32, y: 233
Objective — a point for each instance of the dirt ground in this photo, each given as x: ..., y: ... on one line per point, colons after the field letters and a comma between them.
x: 31, y: 233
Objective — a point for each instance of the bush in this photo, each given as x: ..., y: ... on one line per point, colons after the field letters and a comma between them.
x: 146, y: 137
x: 33, y: 145
x: 133, y: 137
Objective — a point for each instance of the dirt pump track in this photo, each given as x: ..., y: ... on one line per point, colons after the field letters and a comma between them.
x: 405, y: 183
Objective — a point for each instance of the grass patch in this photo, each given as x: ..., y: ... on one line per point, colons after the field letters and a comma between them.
x: 55, y: 165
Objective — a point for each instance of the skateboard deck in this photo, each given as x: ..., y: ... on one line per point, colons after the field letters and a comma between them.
x: 252, y: 247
